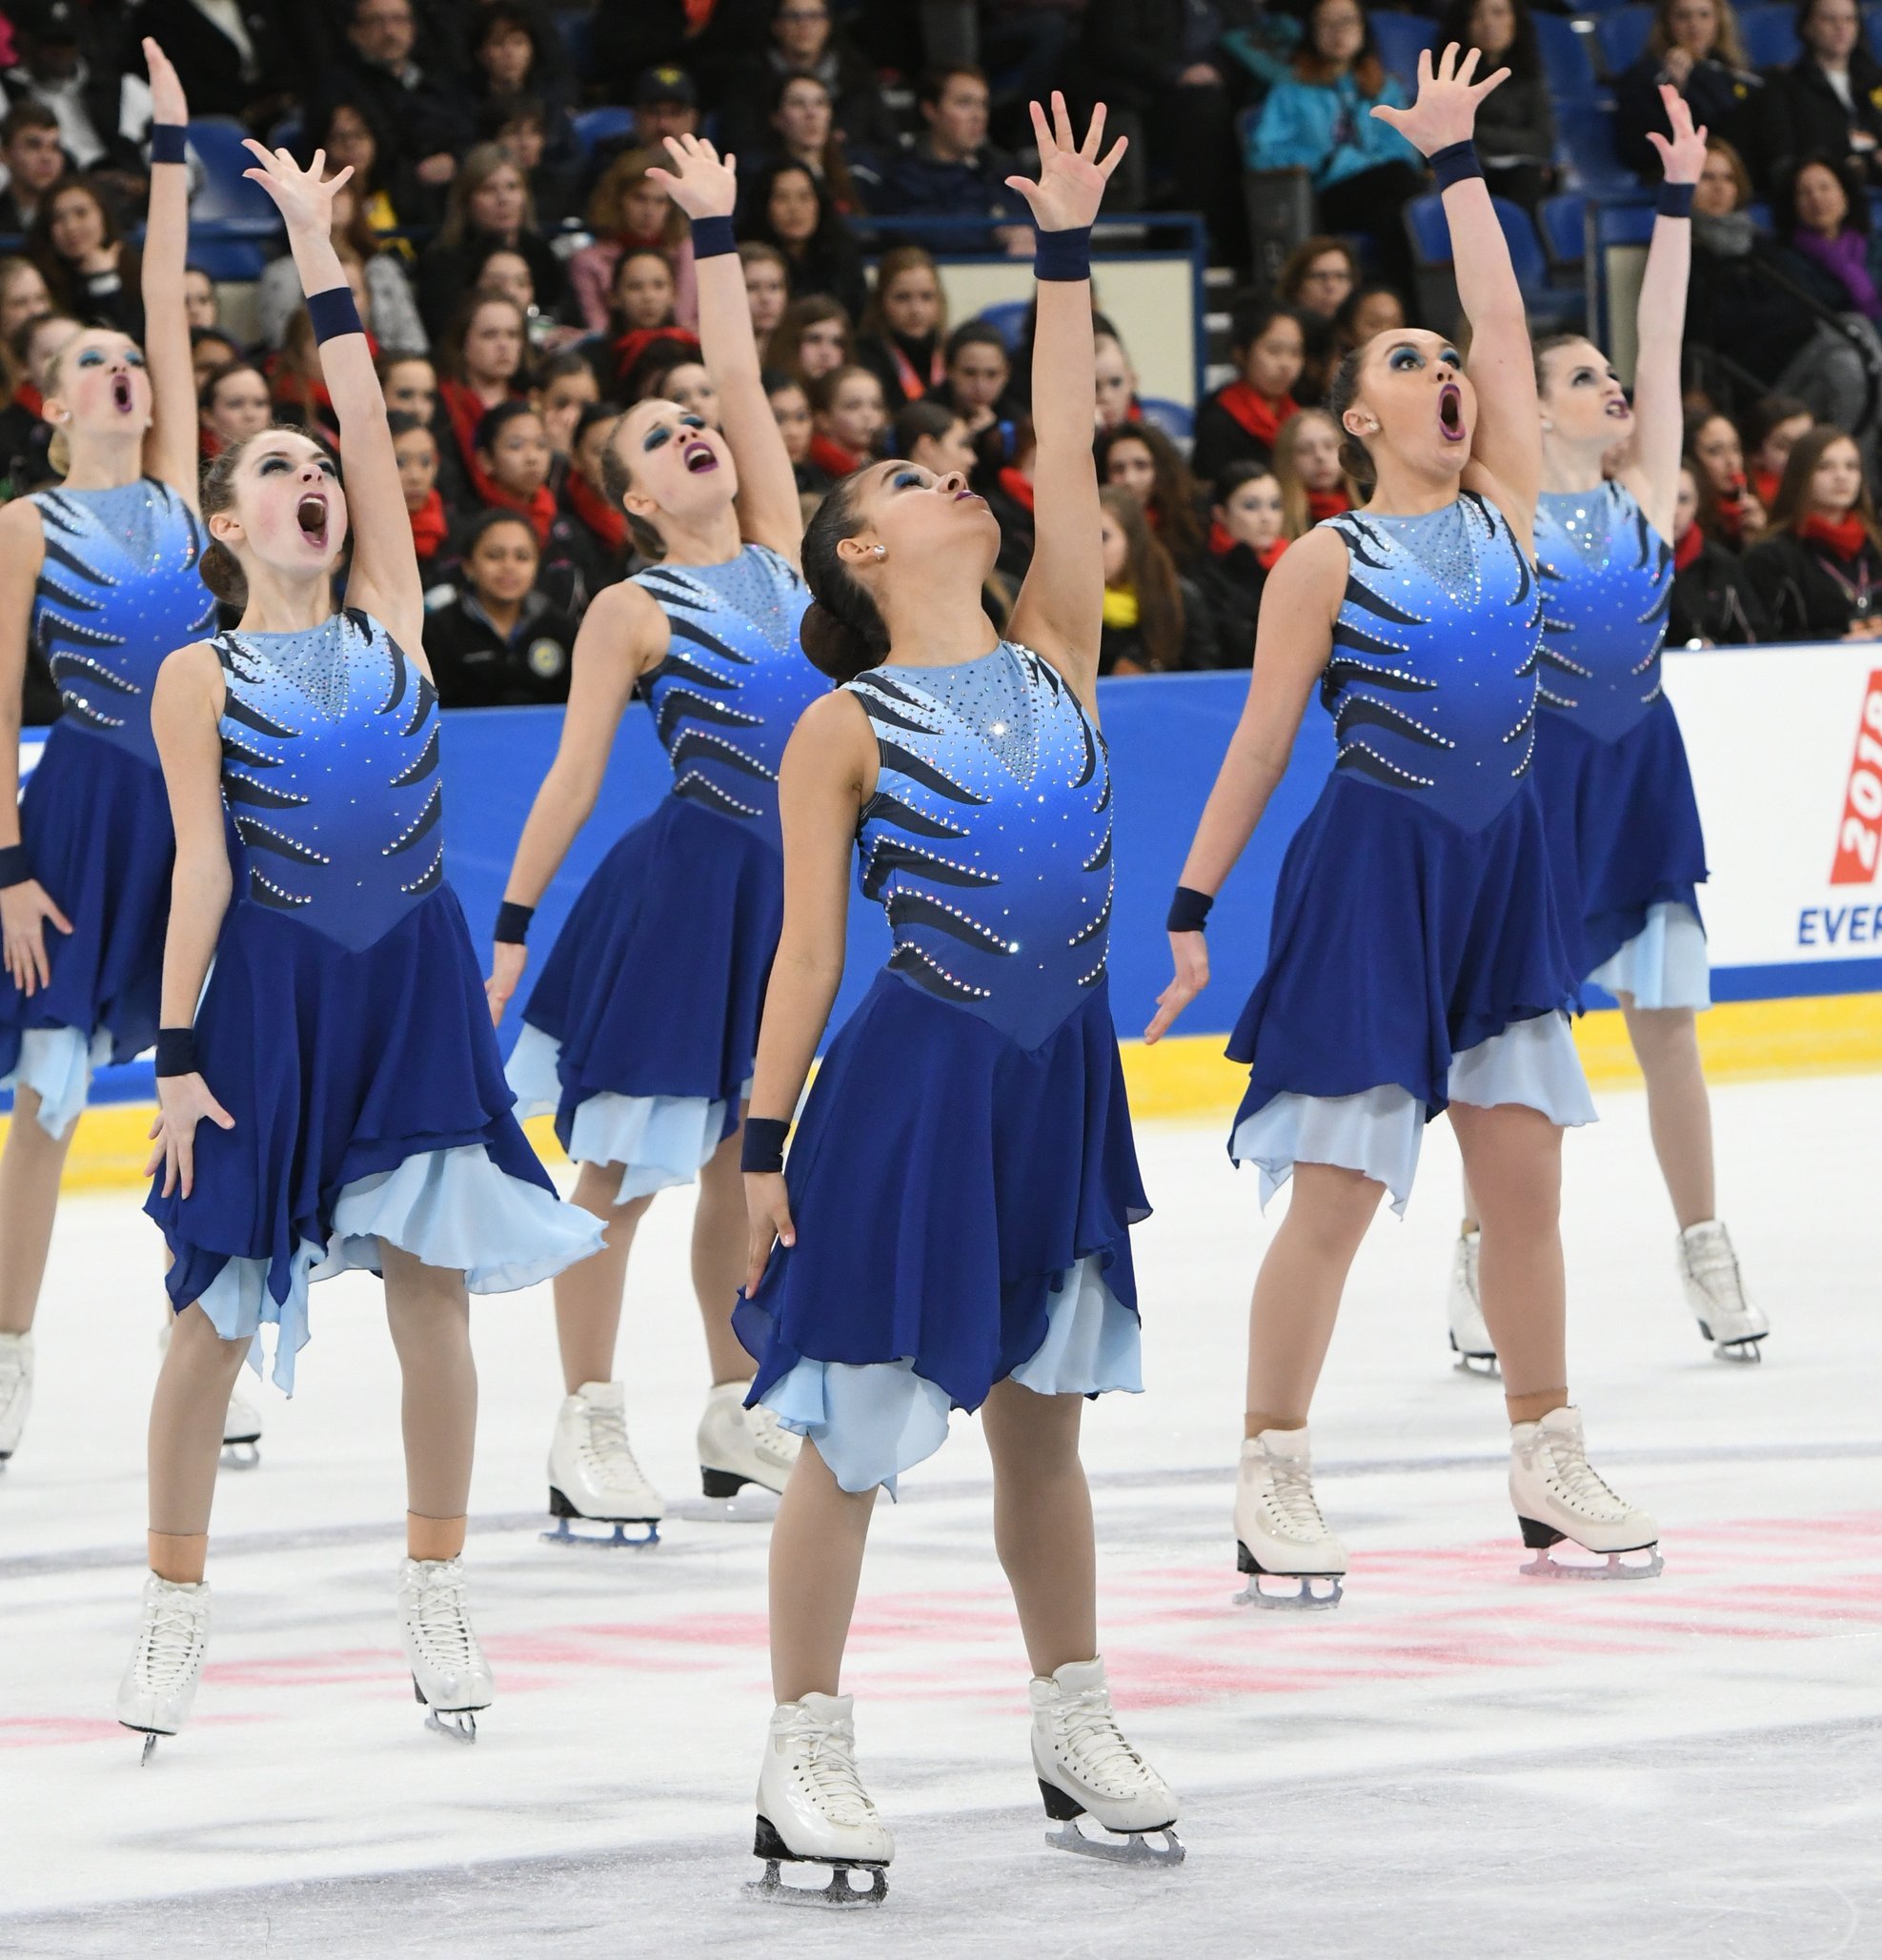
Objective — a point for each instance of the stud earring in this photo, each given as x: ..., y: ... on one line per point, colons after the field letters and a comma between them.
x: 881, y: 551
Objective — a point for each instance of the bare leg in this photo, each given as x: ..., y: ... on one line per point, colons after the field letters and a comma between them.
x: 1042, y: 1522
x: 430, y: 1316
x: 30, y: 1168
x: 718, y: 1259
x: 1470, y: 1223
x: 1513, y: 1157
x: 588, y: 1295
x: 199, y: 1369
x: 1666, y: 1043
x: 816, y: 1542
x: 1297, y: 1292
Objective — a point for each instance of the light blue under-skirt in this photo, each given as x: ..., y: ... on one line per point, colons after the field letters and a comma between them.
x: 1665, y: 964
x: 56, y: 1065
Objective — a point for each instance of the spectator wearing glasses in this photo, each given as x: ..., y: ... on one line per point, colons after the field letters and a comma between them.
x: 30, y: 149
x: 411, y: 107
x: 1320, y: 276
x: 804, y: 40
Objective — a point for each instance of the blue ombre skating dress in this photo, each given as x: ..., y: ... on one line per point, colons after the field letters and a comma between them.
x: 1610, y: 766
x: 119, y: 588
x: 344, y: 1026
x: 964, y: 1178
x: 1418, y: 956
x: 642, y: 1029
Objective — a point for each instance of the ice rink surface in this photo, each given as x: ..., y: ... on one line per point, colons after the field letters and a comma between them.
x: 1459, y: 1762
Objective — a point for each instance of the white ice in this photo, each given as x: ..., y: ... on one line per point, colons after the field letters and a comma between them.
x: 1459, y: 1762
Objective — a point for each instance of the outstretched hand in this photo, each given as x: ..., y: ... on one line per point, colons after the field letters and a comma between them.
x: 168, y: 102
x: 1446, y: 111
x: 705, y: 184
x: 305, y: 197
x: 1072, y: 175
x: 1683, y: 155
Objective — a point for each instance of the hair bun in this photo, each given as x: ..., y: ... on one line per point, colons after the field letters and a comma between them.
x: 830, y: 646
x: 223, y: 575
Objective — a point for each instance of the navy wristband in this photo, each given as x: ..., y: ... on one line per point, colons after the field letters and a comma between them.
x: 764, y: 1147
x: 1454, y: 163
x: 1676, y: 201
x: 333, y: 313
x: 712, y: 238
x: 1188, y: 909
x: 176, y: 1051
x: 513, y: 923
x: 170, y: 143
x: 14, y: 869
x: 1063, y: 255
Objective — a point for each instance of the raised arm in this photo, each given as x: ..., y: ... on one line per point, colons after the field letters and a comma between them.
x: 1060, y: 607
x: 623, y: 634
x: 828, y: 769
x: 1506, y: 450
x: 1292, y: 642
x: 170, y: 449
x: 384, y: 580
x: 706, y: 189
x: 184, y: 707
x: 1651, y: 470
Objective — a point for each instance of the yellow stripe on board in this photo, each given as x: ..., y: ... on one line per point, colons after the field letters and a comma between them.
x: 1189, y: 1077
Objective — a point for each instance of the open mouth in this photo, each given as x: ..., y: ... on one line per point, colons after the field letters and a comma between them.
x: 310, y: 515
x: 1619, y: 410
x: 121, y: 393
x: 699, y: 457
x: 1450, y: 413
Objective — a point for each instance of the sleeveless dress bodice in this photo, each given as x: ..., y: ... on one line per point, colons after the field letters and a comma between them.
x: 330, y: 769
x: 1431, y: 681
x: 1607, y: 586
x: 119, y: 588
x: 734, y: 680
x: 988, y: 838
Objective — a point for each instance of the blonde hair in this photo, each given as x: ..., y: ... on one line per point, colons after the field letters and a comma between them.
x: 481, y: 162
x: 607, y: 202
x: 1296, y: 518
x: 1729, y: 45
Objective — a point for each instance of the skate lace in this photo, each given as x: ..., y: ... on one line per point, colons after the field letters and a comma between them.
x: 1090, y: 1741
x: 1712, y: 1266
x: 770, y: 1436
x: 604, y: 1449
x: 440, y: 1624
x: 171, y: 1640
x: 1290, y: 1499
x: 826, y: 1762
x: 1574, y: 1480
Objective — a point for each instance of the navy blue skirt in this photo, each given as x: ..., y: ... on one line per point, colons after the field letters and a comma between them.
x: 95, y: 823
x: 655, y: 984
x: 944, y: 1183
x: 1399, y: 941
x: 1623, y: 826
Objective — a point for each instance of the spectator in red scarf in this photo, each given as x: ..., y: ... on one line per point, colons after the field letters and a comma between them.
x: 902, y: 338
x: 849, y: 416
x: 416, y: 447
x: 1247, y: 534
x: 410, y: 383
x: 1729, y: 508
x: 643, y: 311
x: 597, y: 538
x: 1715, y: 602
x: 1142, y: 460
x: 1240, y: 422
x: 562, y: 388
x: 790, y: 410
x: 1820, y: 572
x: 1010, y: 499
x: 1771, y: 429
x: 233, y: 405
x: 512, y: 474
x: 767, y: 291
x: 811, y: 338
x: 483, y: 356
x: 628, y: 211
x: 1307, y: 462
x: 933, y: 435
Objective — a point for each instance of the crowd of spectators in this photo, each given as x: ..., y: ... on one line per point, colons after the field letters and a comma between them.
x: 525, y: 280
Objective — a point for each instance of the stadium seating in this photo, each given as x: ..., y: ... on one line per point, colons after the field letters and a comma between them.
x: 594, y: 127
x: 1548, y: 306
x: 226, y: 199
x: 1172, y: 418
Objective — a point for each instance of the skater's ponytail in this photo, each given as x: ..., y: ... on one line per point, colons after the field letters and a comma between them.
x: 1342, y: 391
x: 220, y: 570
x: 842, y: 633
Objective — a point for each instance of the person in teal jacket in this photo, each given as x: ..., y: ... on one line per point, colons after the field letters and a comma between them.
x: 1321, y: 120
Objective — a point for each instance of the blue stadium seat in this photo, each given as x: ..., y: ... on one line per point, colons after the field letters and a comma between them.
x: 286, y: 134
x: 594, y: 127
x: 1402, y: 37
x: 1008, y: 319
x: 1564, y: 228
x: 233, y: 256
x: 1431, y: 243
x: 1568, y: 62
x: 1176, y: 421
x: 1585, y: 148
x: 1871, y: 24
x: 577, y: 28
x: 1623, y: 36
x: 1595, y: 8
x: 1770, y: 35
x: 227, y: 199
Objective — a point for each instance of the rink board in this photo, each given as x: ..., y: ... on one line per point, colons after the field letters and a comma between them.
x: 1786, y: 745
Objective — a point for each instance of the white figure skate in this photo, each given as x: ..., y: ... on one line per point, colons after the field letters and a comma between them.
x: 1558, y: 1497
x: 15, y: 1390
x: 1086, y: 1769
x: 745, y: 1454
x: 450, y: 1676
x: 1469, y: 1338
x: 241, y: 1433
x: 1279, y: 1532
x: 1728, y: 1316
x: 592, y: 1477
x: 813, y: 1810
x: 159, y: 1685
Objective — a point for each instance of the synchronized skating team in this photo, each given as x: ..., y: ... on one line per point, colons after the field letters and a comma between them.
x: 232, y: 851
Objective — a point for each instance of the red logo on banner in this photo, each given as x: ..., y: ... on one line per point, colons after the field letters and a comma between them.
x: 1859, y: 839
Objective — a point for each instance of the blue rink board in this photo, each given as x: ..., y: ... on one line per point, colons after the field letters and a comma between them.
x: 1166, y: 735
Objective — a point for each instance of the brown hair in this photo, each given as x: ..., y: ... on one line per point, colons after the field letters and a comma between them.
x: 1294, y: 268
x: 220, y: 568
x: 447, y: 357
x: 842, y: 633
x: 61, y: 280
x: 901, y: 259
x: 1730, y: 48
x: 616, y: 481
x: 480, y: 164
x: 607, y: 202
x: 1718, y: 146
x: 1174, y: 492
x: 1367, y: 70
x: 832, y: 164
x: 1792, y: 507
x: 1150, y: 573
x: 781, y: 352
